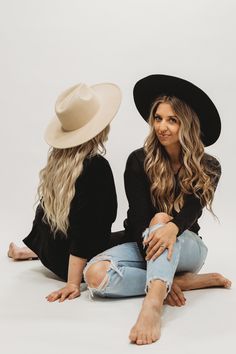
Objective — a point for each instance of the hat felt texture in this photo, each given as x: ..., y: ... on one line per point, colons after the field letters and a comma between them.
x: 149, y: 88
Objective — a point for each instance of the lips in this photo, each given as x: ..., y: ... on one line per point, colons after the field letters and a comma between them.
x: 163, y: 136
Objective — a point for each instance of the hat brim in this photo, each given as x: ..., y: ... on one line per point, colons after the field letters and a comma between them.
x: 109, y: 96
x: 149, y: 88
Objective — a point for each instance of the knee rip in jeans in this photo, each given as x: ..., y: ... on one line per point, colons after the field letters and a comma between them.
x: 105, y: 281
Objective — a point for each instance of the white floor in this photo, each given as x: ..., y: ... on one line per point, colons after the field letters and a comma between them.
x: 29, y: 324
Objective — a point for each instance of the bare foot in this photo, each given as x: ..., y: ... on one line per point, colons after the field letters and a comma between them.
x: 148, y: 326
x: 20, y: 253
x: 191, y: 281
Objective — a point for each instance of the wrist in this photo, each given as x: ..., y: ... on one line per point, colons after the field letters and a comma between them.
x: 73, y: 284
x: 173, y: 226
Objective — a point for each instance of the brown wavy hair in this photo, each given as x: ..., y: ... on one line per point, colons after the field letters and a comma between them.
x: 195, y: 175
x: 57, y: 179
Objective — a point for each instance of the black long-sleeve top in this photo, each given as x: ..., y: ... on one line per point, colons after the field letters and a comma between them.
x: 141, y: 209
x: 92, y: 212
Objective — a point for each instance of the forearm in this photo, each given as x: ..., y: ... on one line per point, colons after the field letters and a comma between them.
x: 75, y: 269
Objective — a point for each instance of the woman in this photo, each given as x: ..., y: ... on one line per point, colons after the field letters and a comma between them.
x: 76, y: 191
x: 168, y: 182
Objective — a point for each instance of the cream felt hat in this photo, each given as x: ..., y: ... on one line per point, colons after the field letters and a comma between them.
x: 82, y: 112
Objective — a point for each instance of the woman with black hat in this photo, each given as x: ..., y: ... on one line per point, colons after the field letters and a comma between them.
x: 77, y: 196
x: 168, y: 182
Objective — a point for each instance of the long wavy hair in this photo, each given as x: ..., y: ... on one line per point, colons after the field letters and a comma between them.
x: 57, y: 179
x: 195, y: 175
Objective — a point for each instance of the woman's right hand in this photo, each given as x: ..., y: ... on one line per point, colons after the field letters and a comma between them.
x: 69, y: 292
x: 165, y: 218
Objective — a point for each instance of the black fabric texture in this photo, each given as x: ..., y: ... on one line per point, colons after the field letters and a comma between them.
x: 92, y: 212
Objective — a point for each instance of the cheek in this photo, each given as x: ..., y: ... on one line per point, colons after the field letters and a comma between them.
x: 176, y: 131
x: 155, y: 127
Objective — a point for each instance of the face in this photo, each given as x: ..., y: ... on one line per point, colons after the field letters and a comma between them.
x: 166, y: 125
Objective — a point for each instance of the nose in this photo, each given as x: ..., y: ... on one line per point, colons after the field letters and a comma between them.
x: 162, y: 126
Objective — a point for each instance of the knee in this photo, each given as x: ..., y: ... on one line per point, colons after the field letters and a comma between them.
x: 161, y: 218
x: 96, y: 273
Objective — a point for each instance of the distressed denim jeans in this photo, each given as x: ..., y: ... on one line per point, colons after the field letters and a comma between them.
x: 129, y: 274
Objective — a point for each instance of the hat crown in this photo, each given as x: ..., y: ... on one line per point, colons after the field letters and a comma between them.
x: 76, y: 106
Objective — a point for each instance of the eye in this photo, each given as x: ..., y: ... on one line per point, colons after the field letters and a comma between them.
x: 157, y: 118
x: 173, y: 120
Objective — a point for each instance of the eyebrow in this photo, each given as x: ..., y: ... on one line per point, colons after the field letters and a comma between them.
x: 159, y: 115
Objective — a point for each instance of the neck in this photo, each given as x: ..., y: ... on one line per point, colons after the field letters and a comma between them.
x: 174, y: 153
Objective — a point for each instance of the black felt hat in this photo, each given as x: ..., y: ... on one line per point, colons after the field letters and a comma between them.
x: 147, y: 89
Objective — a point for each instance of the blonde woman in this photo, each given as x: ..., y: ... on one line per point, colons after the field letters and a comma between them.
x: 76, y: 191
x: 168, y: 182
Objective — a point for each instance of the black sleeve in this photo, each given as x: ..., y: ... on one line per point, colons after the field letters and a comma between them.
x: 140, y: 206
x: 192, y: 208
x: 94, y: 210
x: 188, y: 214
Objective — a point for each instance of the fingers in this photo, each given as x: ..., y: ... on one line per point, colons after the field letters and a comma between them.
x: 53, y: 296
x: 169, y: 300
x: 148, y: 239
x: 154, y: 253
x: 177, y: 295
x: 62, y: 295
x: 74, y: 295
x: 69, y: 295
x: 170, y: 252
x: 176, y: 299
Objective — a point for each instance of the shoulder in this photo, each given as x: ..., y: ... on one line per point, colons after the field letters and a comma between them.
x: 212, y: 163
x: 136, y: 159
x: 96, y: 171
x: 96, y: 164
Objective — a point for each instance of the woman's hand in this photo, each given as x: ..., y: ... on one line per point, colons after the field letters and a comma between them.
x: 160, y: 217
x: 69, y: 292
x: 162, y: 238
x: 175, y: 296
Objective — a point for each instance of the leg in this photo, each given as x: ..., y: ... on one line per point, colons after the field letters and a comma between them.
x: 20, y: 253
x: 117, y: 272
x: 192, y: 281
x: 160, y: 274
x: 188, y: 279
x: 148, y: 326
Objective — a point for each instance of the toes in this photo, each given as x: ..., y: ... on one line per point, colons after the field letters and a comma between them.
x: 142, y: 339
x: 139, y: 341
x: 221, y: 280
x: 155, y: 337
x: 12, y: 245
x: 10, y: 250
x: 133, y: 336
x: 227, y: 283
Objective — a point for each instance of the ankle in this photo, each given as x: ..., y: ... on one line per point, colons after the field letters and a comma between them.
x: 152, y: 303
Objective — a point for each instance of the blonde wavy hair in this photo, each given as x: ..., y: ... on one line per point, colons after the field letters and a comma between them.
x: 195, y: 175
x: 57, y: 179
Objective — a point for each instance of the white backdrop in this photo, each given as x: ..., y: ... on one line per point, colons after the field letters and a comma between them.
x: 47, y: 46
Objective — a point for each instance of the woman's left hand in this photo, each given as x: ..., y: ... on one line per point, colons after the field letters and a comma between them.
x: 159, y: 240
x: 70, y: 291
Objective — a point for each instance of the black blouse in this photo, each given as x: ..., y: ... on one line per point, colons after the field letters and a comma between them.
x: 141, y: 209
x: 92, y: 212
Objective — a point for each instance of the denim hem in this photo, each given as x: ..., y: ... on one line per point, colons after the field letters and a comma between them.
x: 166, y: 281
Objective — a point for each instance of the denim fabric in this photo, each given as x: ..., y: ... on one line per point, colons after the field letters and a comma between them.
x: 129, y: 274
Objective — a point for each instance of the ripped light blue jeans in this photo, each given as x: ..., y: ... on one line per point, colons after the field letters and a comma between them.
x: 129, y: 274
